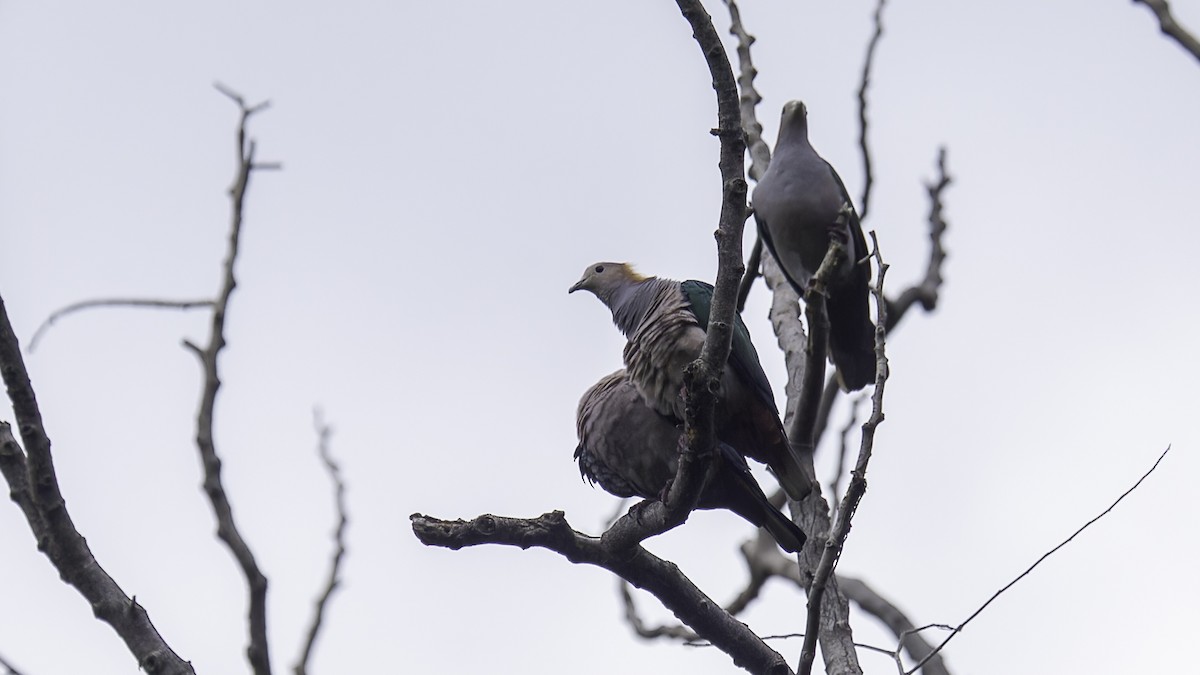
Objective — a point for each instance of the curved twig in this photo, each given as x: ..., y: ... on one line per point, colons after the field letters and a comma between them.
x: 324, y: 431
x: 864, y: 82
x: 112, y: 302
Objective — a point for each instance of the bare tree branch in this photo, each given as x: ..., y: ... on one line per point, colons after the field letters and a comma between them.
x: 112, y: 302
x: 257, y: 651
x: 835, y: 484
x: 804, y: 421
x: 864, y: 82
x: 637, y: 565
x: 926, y: 291
x: 959, y: 628
x: 324, y: 431
x: 33, y: 483
x: 1170, y: 27
x: 760, y: 153
x: 675, y: 631
x: 891, y: 616
x: 858, y: 480
x: 9, y: 669
x: 753, y: 265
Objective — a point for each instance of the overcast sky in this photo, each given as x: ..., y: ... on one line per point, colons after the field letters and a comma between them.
x: 449, y: 170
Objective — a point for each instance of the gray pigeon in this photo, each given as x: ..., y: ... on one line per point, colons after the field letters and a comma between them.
x: 797, y: 205
x: 631, y: 451
x: 664, y: 322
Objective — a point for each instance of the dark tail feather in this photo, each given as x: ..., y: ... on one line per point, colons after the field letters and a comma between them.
x: 786, y: 533
x: 851, y: 334
x: 742, y: 495
x: 793, y: 479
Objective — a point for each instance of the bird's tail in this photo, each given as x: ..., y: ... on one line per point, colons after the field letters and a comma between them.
x: 852, y: 335
x: 787, y: 534
x: 745, y: 498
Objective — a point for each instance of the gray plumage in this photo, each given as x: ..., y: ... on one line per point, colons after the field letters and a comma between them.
x: 797, y: 205
x: 631, y: 451
x: 664, y: 322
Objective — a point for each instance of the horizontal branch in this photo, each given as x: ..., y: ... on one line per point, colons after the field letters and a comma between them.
x: 636, y: 565
x: 150, y: 303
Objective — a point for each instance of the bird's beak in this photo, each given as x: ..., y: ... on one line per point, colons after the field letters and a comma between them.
x: 578, y: 285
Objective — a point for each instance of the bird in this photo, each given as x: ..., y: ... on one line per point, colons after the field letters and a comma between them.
x: 798, y: 206
x: 631, y: 450
x: 664, y: 323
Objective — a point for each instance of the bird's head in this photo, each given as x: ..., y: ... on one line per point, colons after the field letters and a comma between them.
x: 604, y: 279
x: 795, y: 118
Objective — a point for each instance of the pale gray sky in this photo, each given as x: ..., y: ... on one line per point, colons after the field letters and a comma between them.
x: 450, y: 168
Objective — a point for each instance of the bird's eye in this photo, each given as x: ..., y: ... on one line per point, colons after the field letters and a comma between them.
x: 599, y: 269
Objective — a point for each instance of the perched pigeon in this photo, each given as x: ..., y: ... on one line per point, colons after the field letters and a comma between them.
x: 664, y: 322
x: 797, y: 204
x: 631, y: 451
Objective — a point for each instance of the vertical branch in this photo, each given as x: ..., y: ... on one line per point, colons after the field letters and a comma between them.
x: 702, y: 377
x: 339, y: 539
x: 33, y: 484
x: 864, y: 82
x: 257, y: 651
x: 760, y: 153
x: 858, y: 480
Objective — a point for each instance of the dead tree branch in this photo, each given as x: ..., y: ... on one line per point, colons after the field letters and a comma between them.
x: 864, y: 83
x: 926, y: 291
x: 636, y: 565
x: 33, y: 484
x: 324, y: 432
x: 112, y: 302
x: 891, y: 616
x: 1170, y: 27
x: 800, y: 432
x: 760, y: 152
x: 619, y: 548
x: 858, y: 480
x: 9, y: 669
x: 835, y: 484
x: 959, y: 628
x: 257, y: 651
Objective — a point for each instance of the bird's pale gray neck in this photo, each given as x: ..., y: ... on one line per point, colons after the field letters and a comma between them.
x: 793, y: 134
x: 631, y: 303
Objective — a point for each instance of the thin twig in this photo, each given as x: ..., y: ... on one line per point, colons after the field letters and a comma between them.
x: 753, y: 265
x: 257, y: 651
x: 324, y: 431
x: 858, y: 480
x: 112, y: 302
x: 959, y: 628
x: 1171, y: 28
x: 760, y: 152
x: 835, y: 484
x: 673, y: 631
x: 907, y: 635
x: 926, y: 291
x: 864, y: 82
x: 30, y: 471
